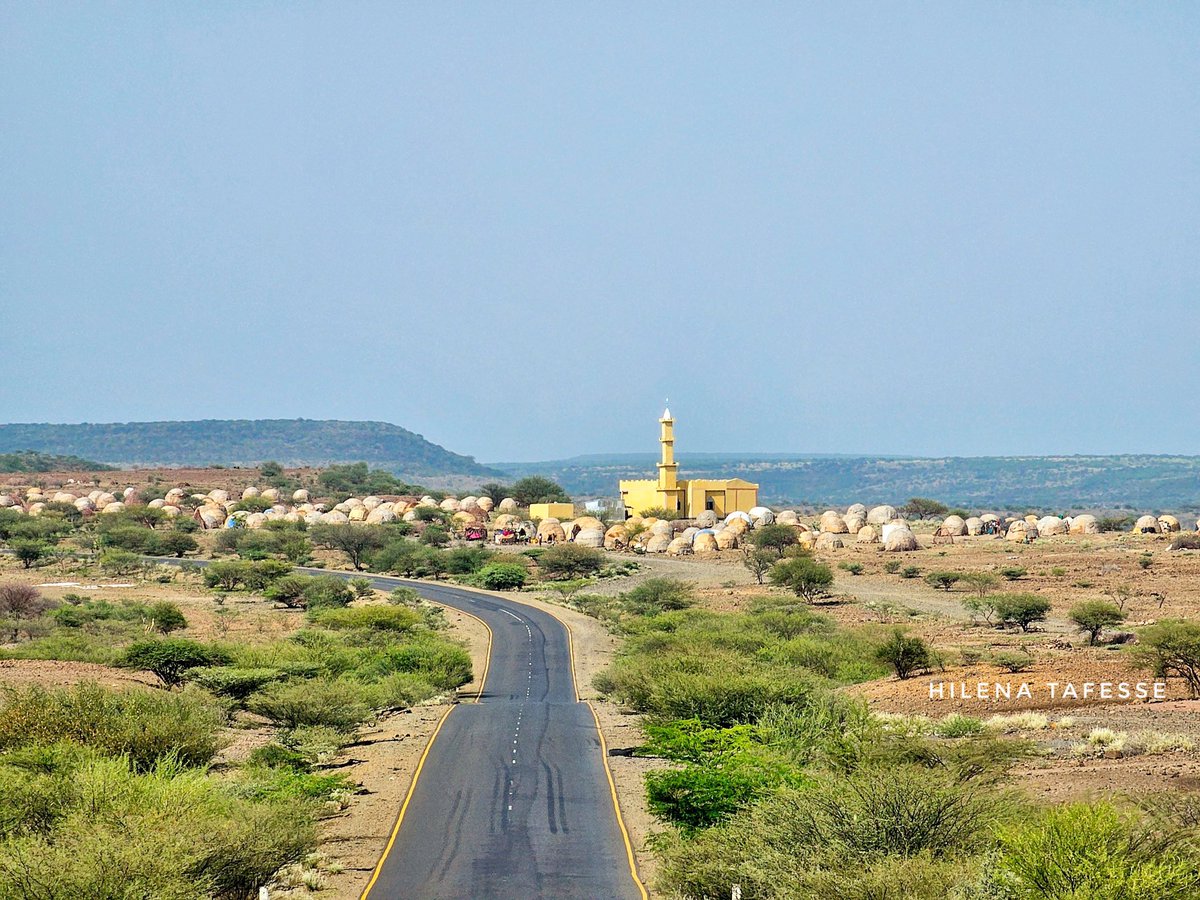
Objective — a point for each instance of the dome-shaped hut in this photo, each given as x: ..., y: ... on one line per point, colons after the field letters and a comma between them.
x: 881, y: 515
x: 856, y: 509
x: 705, y: 541
x: 955, y: 526
x: 867, y: 535
x: 249, y: 493
x: 1051, y: 525
x: 828, y: 541
x: 901, y: 540
x: 726, y: 539
x: 1084, y: 524
x: 974, y: 525
x: 1168, y: 524
x: 485, y: 503
x: 590, y: 537
x: 1147, y: 525
x: 706, y: 518
x: 658, y: 543
x: 787, y: 517
x: 508, y: 505
x: 616, y: 538
x: 1021, y: 531
x: 832, y: 523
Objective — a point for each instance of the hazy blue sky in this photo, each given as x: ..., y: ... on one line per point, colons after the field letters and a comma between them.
x: 515, y: 228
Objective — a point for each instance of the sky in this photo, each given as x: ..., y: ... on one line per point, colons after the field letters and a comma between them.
x: 517, y: 228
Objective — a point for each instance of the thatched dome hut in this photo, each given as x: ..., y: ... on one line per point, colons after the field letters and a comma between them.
x: 726, y: 539
x: 153, y: 504
x: 381, y: 515
x: 508, y: 505
x: 1084, y: 524
x: 1051, y: 525
x: 35, y: 509
x: 485, y: 503
x: 63, y: 497
x: 705, y: 542
x: 974, y: 525
x: 115, y: 507
x: 616, y: 538
x: 300, y: 496
x: 83, y: 504
x: 590, y: 537
x: 989, y: 517
x: 506, y: 520
x: 881, y: 515
x: 787, y: 517
x: 663, y: 528
x: 856, y: 509
x: 658, y: 543
x: 358, y: 514
x: 854, y: 522
x: 832, y: 523
x: 589, y: 522
x: 103, y: 499
x: 1168, y: 524
x: 706, y: 519
x: 249, y: 493
x: 171, y: 511
x: 256, y: 520
x: 955, y: 526
x: 806, y: 539
x: 219, y: 495
x: 1031, y: 518
x: 891, y: 527
x: 901, y: 540
x: 174, y: 496
x: 450, y: 504
x: 679, y: 546
x: 764, y: 517
x: 1147, y: 525
x: 867, y: 535
x: 828, y: 541
x: 210, y: 517
x: 738, y: 514
x: 549, y: 530
x: 1021, y: 531
x: 334, y: 517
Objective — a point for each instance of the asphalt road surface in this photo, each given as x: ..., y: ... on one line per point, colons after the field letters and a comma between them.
x: 513, y: 799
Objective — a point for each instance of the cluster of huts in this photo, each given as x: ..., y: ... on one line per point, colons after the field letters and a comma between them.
x: 220, y: 509
x: 832, y: 530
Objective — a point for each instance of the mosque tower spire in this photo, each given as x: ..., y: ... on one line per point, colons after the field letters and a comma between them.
x: 667, y: 467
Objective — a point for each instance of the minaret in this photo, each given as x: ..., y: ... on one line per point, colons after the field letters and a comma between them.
x: 667, y: 467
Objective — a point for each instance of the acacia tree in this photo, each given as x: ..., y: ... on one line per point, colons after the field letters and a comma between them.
x: 536, y: 489
x: 356, y: 541
x: 774, y: 537
x: 759, y: 563
x: 1093, y: 616
x: 805, y: 577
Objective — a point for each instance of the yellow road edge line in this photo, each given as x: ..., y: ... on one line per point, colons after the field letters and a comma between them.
x: 612, y: 787
x: 487, y: 661
x: 404, y: 807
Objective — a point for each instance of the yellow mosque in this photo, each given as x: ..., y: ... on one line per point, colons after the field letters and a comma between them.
x: 687, y: 498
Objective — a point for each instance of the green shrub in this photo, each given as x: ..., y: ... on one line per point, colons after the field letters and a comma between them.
x: 235, y: 682
x: 910, y: 572
x: 805, y: 577
x: 502, y: 576
x: 1013, y: 660
x: 1093, y: 851
x: 564, y: 562
x: 372, y: 618
x: 904, y: 654
x: 1172, y: 648
x: 942, y: 580
x: 1093, y: 616
x: 361, y: 587
x: 656, y: 595
x: 777, y: 538
x: 1014, y: 573
x: 166, y: 617
x: 467, y: 560
x: 327, y: 592
x: 171, y: 658
x: 1022, y: 610
x: 852, y: 567
x: 147, y: 726
x: 120, y: 562
x: 892, y: 566
x: 334, y: 704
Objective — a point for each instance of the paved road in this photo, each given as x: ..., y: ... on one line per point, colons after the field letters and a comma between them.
x: 513, y: 800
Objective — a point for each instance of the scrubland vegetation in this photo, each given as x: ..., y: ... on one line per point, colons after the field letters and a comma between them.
x: 778, y: 782
x: 128, y: 791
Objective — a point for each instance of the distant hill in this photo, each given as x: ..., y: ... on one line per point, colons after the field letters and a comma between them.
x: 232, y: 442
x: 1141, y: 482
x: 33, y: 461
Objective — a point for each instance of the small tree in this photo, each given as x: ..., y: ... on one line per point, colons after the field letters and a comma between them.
x: 1093, y: 616
x: 29, y: 552
x: 502, y: 576
x: 361, y: 587
x: 19, y: 603
x: 759, y: 563
x: 655, y: 595
x: 564, y: 562
x: 165, y: 617
x: 943, y: 580
x: 904, y: 654
x: 327, y: 591
x: 924, y: 508
x: 356, y: 541
x: 981, y: 606
x: 980, y: 583
x: 171, y: 658
x: 289, y: 590
x: 1173, y: 648
x: 177, y: 544
x: 774, y: 537
x: 1020, y: 609
x: 805, y: 577
x: 536, y: 489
